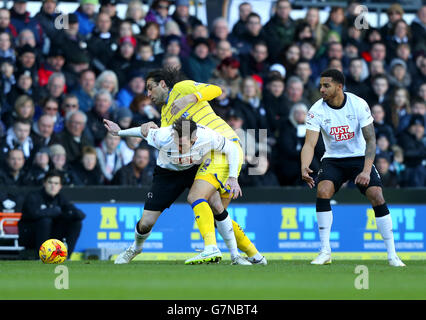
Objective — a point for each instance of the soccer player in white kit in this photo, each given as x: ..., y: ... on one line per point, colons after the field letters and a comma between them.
x: 346, y: 124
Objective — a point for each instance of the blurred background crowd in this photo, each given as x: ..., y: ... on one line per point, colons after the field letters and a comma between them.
x: 62, y: 74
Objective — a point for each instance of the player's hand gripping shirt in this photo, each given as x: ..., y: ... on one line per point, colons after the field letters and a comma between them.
x: 200, y: 112
x: 170, y: 158
x: 341, y: 127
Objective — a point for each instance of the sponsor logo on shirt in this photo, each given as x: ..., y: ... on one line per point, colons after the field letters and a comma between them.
x: 341, y: 133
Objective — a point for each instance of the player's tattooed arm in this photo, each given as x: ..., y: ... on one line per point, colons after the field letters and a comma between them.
x: 370, y: 139
x: 363, y: 178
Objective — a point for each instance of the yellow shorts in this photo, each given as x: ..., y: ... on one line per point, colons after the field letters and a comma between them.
x: 215, y: 169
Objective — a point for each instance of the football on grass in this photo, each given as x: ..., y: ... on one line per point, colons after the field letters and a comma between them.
x: 53, y: 251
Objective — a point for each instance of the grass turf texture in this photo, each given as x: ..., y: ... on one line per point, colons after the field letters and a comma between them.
x: 279, y: 280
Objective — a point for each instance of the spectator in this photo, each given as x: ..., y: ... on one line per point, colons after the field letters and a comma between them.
x: 170, y: 61
x: 135, y: 13
x: 136, y: 172
x: 336, y: 20
x: 143, y: 110
x: 222, y: 50
x: 50, y: 106
x: 86, y: 16
x: 48, y: 214
x: 290, y: 143
x: 240, y: 27
x: 20, y: 19
x: 249, y: 104
x: 400, y: 33
x: 418, y: 107
x: 397, y: 166
x: 228, y: 71
x: 86, y: 172
x: 102, y: 44
x: 42, y: 133
x: 420, y: 79
x: 85, y: 92
x: 413, y: 144
x: 380, y: 127
x: 135, y: 86
x: 379, y: 93
x: 253, y: 33
x: 182, y: 17
x: 383, y: 145
x: 54, y: 63
x: 107, y: 80
x: 295, y: 90
x: 127, y: 148
x: 6, y: 48
x: 378, y: 51
x: 56, y: 87
x: 276, y: 103
x: 13, y: 173
x: 26, y: 61
x: 354, y: 82
x: 69, y: 104
x: 303, y: 71
x: 23, y: 109
x: 279, y: 30
x: 110, y: 7
x: 151, y: 33
x: 24, y: 86
x: 18, y: 137
x: 5, y: 25
x: 403, y: 52
x: 418, y: 29
x: 124, y: 60
x: 123, y: 117
x: 399, y: 106
x: 319, y: 30
x: 146, y: 61
x: 46, y: 18
x: 260, y: 175
x: 303, y: 31
x: 389, y: 178
x: 75, y: 65
x: 199, y: 66
x: 7, y: 82
x: 256, y: 62
x: 159, y: 13
x: 395, y: 13
x: 72, y: 138
x: 224, y: 103
x: 109, y: 157
x: 101, y: 110
x: 399, y: 76
x: 220, y: 30
x: 58, y: 158
x: 40, y: 167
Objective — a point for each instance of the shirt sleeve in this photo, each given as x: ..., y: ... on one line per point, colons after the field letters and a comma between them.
x: 221, y: 144
x: 365, y: 117
x: 207, y: 92
x: 313, y: 121
x: 154, y: 138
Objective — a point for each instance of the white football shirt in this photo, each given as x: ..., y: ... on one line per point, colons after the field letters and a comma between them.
x: 207, y: 141
x: 341, y: 127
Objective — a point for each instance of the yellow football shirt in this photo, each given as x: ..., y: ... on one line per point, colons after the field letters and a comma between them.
x: 200, y: 112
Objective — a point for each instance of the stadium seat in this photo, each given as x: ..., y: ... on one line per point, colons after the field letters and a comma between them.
x: 9, y: 230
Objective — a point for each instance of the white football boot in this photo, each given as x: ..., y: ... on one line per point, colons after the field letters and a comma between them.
x: 126, y: 256
x: 396, y: 262
x: 240, y: 261
x: 262, y: 261
x: 324, y: 257
x: 211, y: 254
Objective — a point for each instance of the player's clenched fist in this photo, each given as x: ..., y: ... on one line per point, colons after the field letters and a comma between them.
x: 363, y: 179
x: 181, y: 103
x: 235, y: 190
x: 146, y: 126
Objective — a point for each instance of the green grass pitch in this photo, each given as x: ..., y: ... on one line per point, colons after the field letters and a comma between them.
x: 170, y: 280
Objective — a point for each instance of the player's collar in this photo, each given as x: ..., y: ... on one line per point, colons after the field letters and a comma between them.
x: 168, y: 95
x: 341, y: 106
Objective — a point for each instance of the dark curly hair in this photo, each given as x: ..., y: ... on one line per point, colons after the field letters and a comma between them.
x: 170, y: 75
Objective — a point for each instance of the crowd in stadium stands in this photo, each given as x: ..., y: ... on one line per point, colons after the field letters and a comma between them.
x: 57, y: 84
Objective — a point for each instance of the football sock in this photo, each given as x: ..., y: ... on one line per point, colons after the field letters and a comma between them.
x: 139, y: 239
x: 205, y: 221
x: 325, y: 220
x: 384, y: 226
x: 225, y: 228
x: 243, y: 242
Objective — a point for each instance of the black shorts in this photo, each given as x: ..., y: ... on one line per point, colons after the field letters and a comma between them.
x: 340, y: 170
x: 167, y: 186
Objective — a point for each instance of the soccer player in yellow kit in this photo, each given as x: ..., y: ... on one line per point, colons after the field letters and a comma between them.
x: 189, y: 99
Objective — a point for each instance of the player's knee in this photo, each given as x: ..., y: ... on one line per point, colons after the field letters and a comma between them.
x: 375, y: 195
x: 192, y: 197
x: 324, y: 191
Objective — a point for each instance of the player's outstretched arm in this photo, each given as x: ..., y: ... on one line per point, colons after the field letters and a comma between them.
x: 307, y: 155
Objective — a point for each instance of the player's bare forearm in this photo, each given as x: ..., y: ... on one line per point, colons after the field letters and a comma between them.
x: 370, y: 149
x: 306, y: 156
